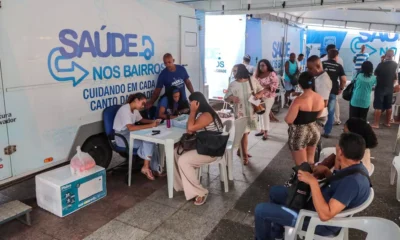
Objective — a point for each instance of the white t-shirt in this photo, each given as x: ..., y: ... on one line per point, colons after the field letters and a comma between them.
x: 323, y: 86
x: 299, y: 66
x: 250, y: 68
x: 339, y: 60
x: 124, y: 117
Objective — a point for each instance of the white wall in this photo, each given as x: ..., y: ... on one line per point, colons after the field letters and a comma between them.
x: 225, y: 45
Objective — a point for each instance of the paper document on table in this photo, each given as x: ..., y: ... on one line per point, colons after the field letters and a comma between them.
x: 161, y: 134
x: 256, y: 102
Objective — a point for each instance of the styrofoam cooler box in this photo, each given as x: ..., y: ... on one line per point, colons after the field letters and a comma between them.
x: 61, y: 193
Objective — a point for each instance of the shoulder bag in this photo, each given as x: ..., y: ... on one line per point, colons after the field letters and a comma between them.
x: 260, y: 110
x: 186, y: 143
x: 348, y: 92
x: 211, y: 143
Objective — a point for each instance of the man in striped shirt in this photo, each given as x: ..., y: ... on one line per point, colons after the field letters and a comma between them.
x: 359, y: 59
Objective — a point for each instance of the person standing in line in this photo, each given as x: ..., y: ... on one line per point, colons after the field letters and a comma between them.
x: 323, y: 83
x: 246, y: 62
x: 299, y: 61
x: 268, y: 79
x: 238, y: 94
x: 172, y: 75
x: 303, y: 130
x: 335, y: 71
x: 339, y: 60
x: 359, y: 59
x: 291, y: 69
x: 361, y: 98
x: 386, y: 77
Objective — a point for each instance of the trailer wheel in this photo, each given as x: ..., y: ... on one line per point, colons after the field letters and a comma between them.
x: 98, y: 147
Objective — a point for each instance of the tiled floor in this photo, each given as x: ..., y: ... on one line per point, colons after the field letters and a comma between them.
x: 238, y: 223
x: 144, y: 211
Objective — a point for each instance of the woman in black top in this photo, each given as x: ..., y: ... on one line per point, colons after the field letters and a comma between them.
x: 304, y: 132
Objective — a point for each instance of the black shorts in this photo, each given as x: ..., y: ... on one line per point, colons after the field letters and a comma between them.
x: 383, y: 101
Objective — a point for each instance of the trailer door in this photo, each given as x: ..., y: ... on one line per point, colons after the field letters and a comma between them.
x: 190, y: 54
x: 5, y: 151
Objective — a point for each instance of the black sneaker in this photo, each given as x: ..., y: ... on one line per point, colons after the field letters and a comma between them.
x: 325, y: 135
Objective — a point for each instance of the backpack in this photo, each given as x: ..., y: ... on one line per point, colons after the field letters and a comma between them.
x: 299, y: 194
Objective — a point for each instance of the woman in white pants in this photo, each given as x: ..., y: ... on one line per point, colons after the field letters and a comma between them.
x: 268, y: 79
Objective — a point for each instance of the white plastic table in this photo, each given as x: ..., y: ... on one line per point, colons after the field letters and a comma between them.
x: 167, y: 137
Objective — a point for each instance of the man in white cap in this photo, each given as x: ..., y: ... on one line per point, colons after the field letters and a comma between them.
x: 246, y: 62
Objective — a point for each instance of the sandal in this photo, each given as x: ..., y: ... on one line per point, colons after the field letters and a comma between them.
x: 259, y: 134
x: 148, y: 174
x: 198, y: 201
x: 158, y: 174
x: 264, y: 138
x: 245, y: 161
x: 248, y: 155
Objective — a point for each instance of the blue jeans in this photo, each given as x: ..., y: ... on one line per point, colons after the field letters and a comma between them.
x: 331, y: 114
x: 270, y: 217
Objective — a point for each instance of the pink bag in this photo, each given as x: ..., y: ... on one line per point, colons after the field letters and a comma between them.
x: 81, y: 162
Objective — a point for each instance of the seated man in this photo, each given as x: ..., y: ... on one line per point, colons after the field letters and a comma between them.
x: 348, y: 192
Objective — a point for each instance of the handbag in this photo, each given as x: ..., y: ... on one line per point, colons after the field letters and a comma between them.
x: 260, y: 110
x: 186, y: 143
x: 348, y: 91
x: 211, y: 143
x: 294, y: 79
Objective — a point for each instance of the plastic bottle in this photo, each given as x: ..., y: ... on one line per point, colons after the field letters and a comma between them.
x: 168, y: 121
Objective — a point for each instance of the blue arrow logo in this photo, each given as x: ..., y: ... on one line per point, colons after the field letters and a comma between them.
x: 373, y: 50
x: 65, y: 74
x: 356, y: 44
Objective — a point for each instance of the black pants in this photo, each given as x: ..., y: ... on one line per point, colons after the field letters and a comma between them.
x: 357, y: 112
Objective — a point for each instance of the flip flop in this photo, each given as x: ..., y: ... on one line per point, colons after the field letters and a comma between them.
x: 248, y: 155
x: 259, y: 134
x: 375, y: 127
x: 202, y: 202
x: 387, y: 125
x: 157, y: 174
x: 148, y: 174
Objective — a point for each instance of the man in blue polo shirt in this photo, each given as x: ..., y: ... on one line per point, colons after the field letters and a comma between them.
x: 348, y: 192
x: 172, y: 75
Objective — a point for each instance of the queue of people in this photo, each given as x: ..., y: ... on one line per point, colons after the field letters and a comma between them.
x: 310, y: 116
x: 320, y: 85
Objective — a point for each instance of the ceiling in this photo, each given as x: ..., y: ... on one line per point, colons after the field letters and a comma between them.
x: 382, y: 15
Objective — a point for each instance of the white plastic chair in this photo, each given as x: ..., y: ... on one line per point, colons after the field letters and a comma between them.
x: 292, y: 232
x: 240, y: 128
x: 395, y: 168
x: 221, y: 161
x: 326, y: 152
x: 376, y: 228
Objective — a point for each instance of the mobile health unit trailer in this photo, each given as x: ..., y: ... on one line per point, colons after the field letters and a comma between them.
x: 63, y: 62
